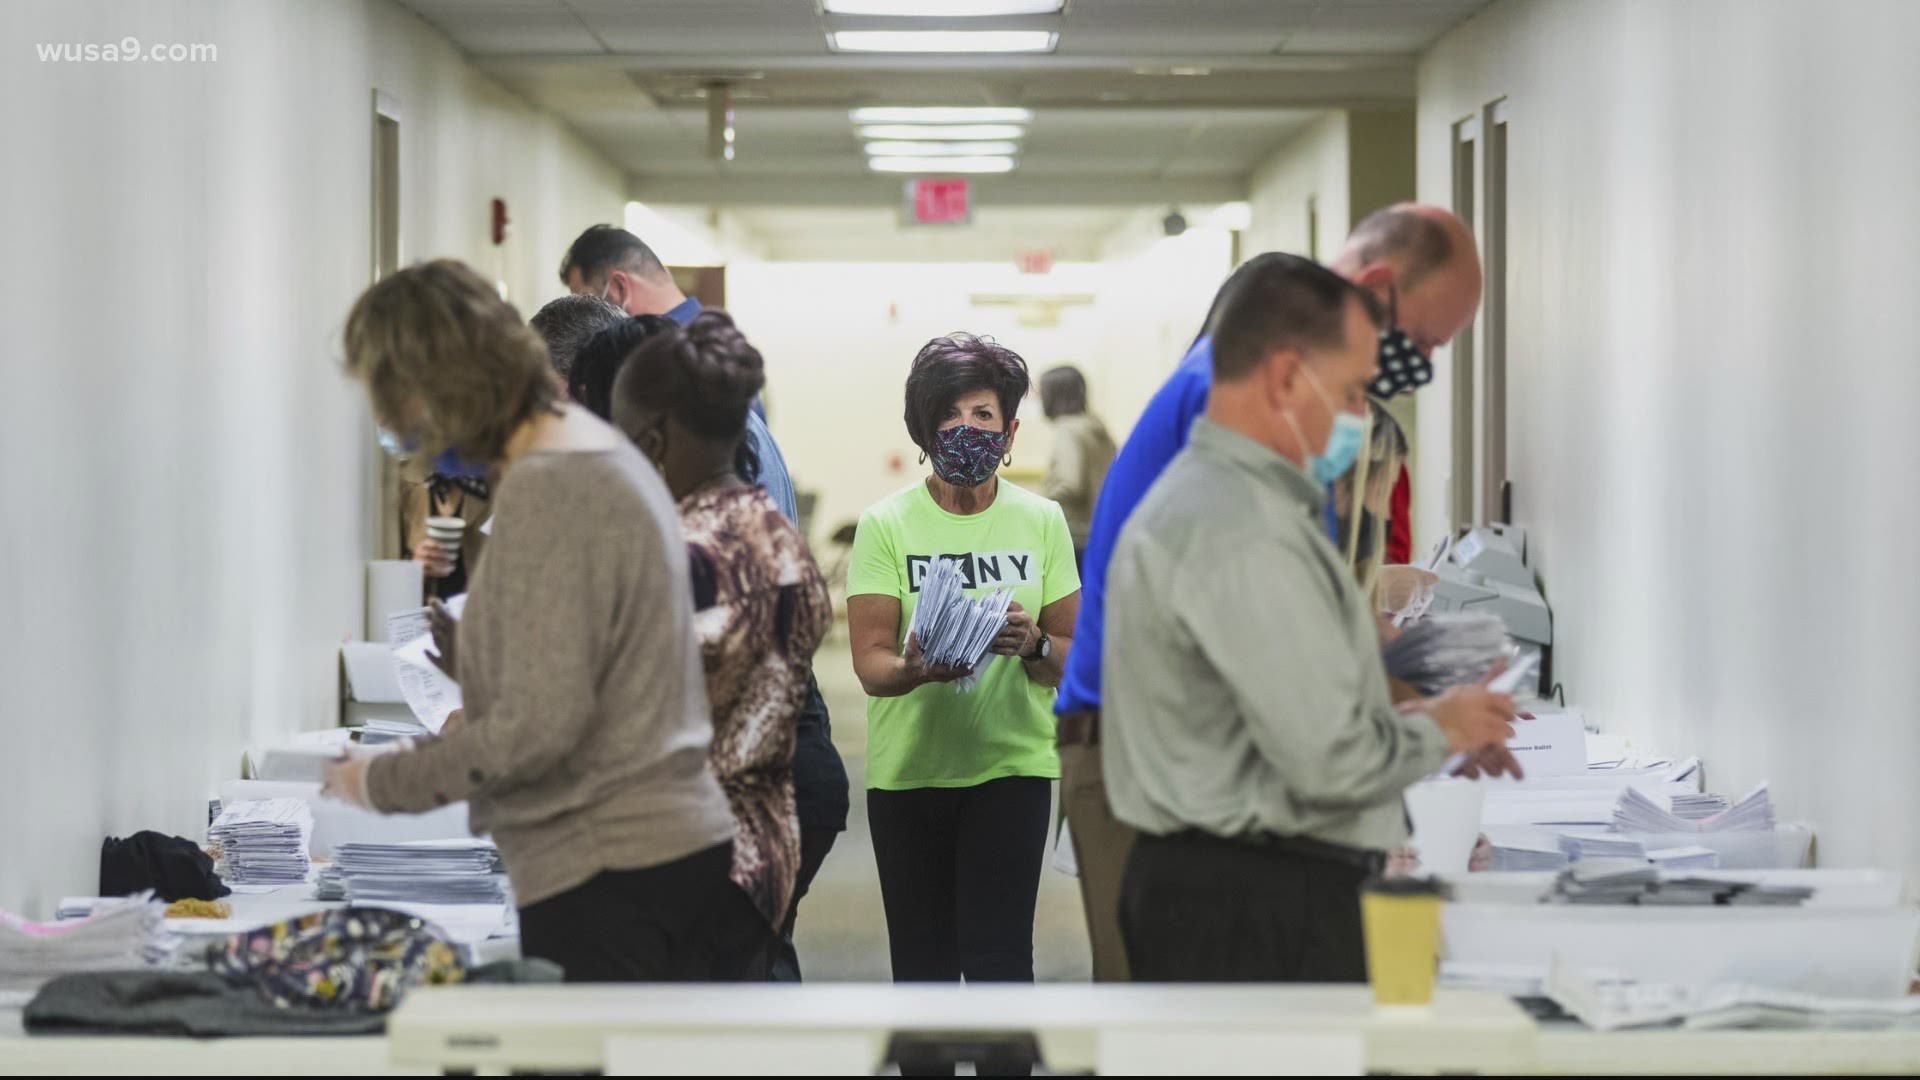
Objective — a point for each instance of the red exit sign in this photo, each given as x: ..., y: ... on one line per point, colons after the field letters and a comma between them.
x: 940, y: 202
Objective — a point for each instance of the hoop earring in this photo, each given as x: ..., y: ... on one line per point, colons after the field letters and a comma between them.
x: 1007, y: 461
x: 923, y: 457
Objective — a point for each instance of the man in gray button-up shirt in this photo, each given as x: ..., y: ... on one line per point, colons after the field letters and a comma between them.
x: 1250, y: 735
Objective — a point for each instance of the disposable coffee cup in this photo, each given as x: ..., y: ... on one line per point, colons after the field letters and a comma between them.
x: 1401, y: 920
x: 1446, y: 823
x: 449, y: 531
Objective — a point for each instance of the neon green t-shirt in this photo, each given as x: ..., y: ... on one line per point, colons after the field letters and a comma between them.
x: 937, y: 736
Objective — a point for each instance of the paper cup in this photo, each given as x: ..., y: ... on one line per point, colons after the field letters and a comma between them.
x: 1401, y: 920
x: 1446, y: 823
x: 444, y: 529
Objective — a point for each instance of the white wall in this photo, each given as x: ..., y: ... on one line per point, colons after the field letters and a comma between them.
x: 182, y: 462
x: 1713, y: 262
x: 1312, y: 165
x: 838, y: 339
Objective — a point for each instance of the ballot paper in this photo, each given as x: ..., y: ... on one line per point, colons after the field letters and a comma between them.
x: 1580, y: 847
x: 430, y: 694
x: 954, y: 630
x: 1619, y: 1005
x: 264, y: 843
x: 1639, y: 812
x: 1550, y: 744
x: 1521, y: 857
x: 419, y: 871
x: 118, y: 934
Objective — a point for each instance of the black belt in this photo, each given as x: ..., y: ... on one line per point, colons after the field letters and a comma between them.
x: 1304, y: 847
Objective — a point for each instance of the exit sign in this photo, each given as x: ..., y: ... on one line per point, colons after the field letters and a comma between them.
x: 940, y: 202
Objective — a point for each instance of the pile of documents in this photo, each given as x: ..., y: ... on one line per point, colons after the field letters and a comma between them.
x: 1638, y: 812
x: 121, y: 933
x: 1600, y: 846
x: 420, y: 871
x: 1446, y: 650
x: 1617, y: 1005
x: 953, y: 630
x: 264, y: 843
x: 1629, y: 881
x: 1518, y: 857
x: 1698, y: 805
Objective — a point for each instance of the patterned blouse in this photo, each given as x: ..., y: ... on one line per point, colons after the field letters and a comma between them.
x: 760, y: 609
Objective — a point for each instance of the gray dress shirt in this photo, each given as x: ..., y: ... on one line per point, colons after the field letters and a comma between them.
x: 1243, y: 689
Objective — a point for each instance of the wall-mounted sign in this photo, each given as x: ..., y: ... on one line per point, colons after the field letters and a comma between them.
x: 947, y: 201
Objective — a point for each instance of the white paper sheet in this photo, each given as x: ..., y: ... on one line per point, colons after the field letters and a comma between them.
x: 429, y: 693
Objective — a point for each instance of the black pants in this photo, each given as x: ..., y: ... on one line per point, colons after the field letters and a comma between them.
x: 815, y: 843
x: 1196, y: 908
x: 959, y: 876
x: 683, y: 921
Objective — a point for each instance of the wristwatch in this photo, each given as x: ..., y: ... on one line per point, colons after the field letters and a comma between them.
x: 1045, y: 650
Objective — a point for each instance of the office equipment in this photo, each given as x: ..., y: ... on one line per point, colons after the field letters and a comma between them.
x: 1487, y: 571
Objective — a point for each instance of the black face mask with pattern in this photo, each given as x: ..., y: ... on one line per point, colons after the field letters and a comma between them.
x: 1403, y: 367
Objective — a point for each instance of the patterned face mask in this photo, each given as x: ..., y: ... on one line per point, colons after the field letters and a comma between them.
x: 967, y: 456
x: 1403, y: 367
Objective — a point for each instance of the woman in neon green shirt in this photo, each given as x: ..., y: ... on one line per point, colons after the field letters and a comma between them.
x: 958, y: 782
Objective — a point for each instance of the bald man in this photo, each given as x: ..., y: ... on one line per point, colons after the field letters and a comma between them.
x: 1420, y: 262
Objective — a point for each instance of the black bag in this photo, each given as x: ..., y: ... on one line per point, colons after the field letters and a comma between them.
x: 172, y: 866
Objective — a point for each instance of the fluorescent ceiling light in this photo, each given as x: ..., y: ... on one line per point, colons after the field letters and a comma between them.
x: 939, y: 114
x: 947, y: 133
x: 940, y: 149
x: 938, y: 165
x: 944, y: 8
x: 944, y: 41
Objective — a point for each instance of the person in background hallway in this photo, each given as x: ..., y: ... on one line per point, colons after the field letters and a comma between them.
x: 1437, y: 298
x: 584, y: 745
x: 760, y: 604
x: 1250, y: 736
x: 568, y: 323
x: 1082, y: 451
x: 819, y: 777
x: 959, y: 784
x: 617, y: 266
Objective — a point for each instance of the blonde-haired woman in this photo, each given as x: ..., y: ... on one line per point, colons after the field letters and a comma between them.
x: 584, y: 745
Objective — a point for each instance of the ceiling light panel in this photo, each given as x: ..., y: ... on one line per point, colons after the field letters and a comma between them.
x: 943, y: 132
x: 944, y: 8
x: 937, y: 165
x: 944, y: 41
x: 940, y: 114
x: 941, y: 149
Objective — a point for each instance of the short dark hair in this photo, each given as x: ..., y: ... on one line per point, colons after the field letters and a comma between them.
x: 569, y: 323
x: 1279, y: 301
x: 704, y: 375
x: 957, y: 364
x: 607, y: 247
x: 1401, y: 231
x: 1063, y: 391
x: 598, y: 364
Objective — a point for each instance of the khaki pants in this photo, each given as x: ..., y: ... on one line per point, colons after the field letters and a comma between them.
x: 1101, y: 846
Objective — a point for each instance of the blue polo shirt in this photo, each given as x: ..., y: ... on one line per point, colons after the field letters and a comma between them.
x: 1160, y: 434
x: 773, y: 466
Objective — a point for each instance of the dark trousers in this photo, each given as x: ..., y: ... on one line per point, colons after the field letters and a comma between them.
x: 1196, y: 908
x: 959, y: 876
x: 683, y: 921
x: 815, y: 843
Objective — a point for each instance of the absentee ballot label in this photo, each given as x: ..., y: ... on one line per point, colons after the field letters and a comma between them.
x: 1550, y: 744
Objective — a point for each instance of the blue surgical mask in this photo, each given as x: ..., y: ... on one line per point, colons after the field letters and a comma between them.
x: 450, y: 463
x: 1344, y: 443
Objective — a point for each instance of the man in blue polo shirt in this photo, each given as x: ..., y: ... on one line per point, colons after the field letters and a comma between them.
x: 1421, y: 262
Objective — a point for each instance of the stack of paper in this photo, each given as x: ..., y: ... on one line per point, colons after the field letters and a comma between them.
x: 1617, y: 1005
x: 423, y: 871
x: 1638, y: 812
x: 377, y: 732
x: 264, y: 843
x: 1579, y: 847
x: 1685, y: 858
x: 76, y: 907
x: 1517, y: 857
x: 1446, y: 650
x: 121, y: 933
x: 1699, y: 805
x: 953, y: 630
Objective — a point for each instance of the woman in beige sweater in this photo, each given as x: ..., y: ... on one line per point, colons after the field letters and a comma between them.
x: 585, y: 741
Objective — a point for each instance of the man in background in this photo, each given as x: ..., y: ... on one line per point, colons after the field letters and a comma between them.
x: 1419, y: 261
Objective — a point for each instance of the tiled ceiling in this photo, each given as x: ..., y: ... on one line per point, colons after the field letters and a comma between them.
x: 1144, y: 100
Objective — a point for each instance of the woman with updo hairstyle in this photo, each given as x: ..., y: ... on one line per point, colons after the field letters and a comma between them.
x: 760, y: 603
